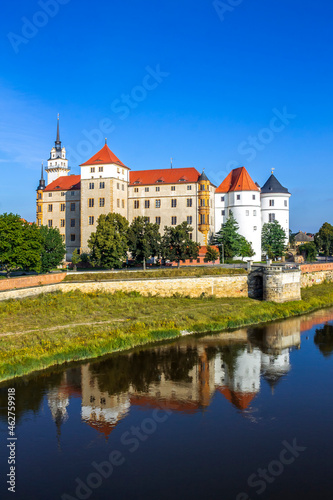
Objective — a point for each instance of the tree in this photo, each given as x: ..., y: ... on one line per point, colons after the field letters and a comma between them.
x: 53, y: 250
x: 211, y: 255
x: 144, y: 240
x: 20, y: 244
x: 273, y: 239
x: 309, y: 250
x: 324, y: 239
x: 109, y: 244
x: 177, y: 245
x: 230, y: 242
x: 76, y: 258
x: 245, y: 248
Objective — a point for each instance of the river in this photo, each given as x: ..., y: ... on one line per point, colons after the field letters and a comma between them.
x: 239, y: 415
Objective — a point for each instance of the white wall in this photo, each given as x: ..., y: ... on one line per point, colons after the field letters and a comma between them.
x: 280, y: 210
x: 109, y: 171
x: 247, y: 212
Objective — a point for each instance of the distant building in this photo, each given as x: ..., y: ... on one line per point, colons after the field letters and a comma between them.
x: 301, y: 238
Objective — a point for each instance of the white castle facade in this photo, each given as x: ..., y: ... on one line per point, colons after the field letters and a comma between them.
x: 167, y: 197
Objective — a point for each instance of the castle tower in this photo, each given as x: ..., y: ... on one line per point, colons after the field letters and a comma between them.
x: 39, y: 204
x: 204, y: 209
x: 240, y: 195
x: 104, y: 189
x: 275, y: 204
x: 57, y: 164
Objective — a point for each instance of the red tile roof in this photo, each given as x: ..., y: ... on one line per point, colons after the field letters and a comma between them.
x: 237, y: 180
x: 104, y: 155
x: 166, y: 176
x: 239, y: 399
x: 65, y: 183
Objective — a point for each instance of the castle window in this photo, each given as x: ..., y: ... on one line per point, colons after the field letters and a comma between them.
x: 50, y: 195
x: 49, y: 208
x: 202, y: 203
x: 147, y: 219
x: 72, y: 237
x: 189, y: 220
x: 72, y: 207
x: 222, y: 212
x: 271, y: 217
x: 50, y: 223
x: 118, y: 185
x: 123, y: 187
x: 147, y: 204
x: 72, y: 193
x: 253, y: 197
x: 72, y: 222
x: 118, y: 203
x: 157, y: 188
x: 254, y: 228
x: 122, y: 171
x: 146, y: 189
x: 271, y: 203
x: 238, y: 197
x: 254, y: 212
x: 190, y: 236
x: 222, y: 198
x: 91, y: 202
x: 39, y: 196
x: 63, y: 237
x: 118, y: 170
x: 92, y: 169
x: 174, y: 221
x: 101, y: 202
x: 136, y: 190
x: 91, y: 185
x: 285, y: 203
x: 189, y: 187
x: 100, y: 169
x: 39, y: 208
x: 158, y: 220
x: 189, y: 202
x: 62, y: 222
x: 136, y: 203
x: 91, y: 220
x: 122, y: 203
x: 62, y: 207
x: 173, y: 188
x: 157, y: 203
x: 174, y: 202
x: 101, y: 185
x: 202, y: 219
x: 247, y: 212
x: 62, y: 193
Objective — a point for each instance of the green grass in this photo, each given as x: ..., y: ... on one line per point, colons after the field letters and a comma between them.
x: 120, y: 321
x: 159, y: 273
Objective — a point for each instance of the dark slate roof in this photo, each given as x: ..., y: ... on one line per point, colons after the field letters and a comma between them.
x: 303, y: 237
x: 203, y: 177
x: 272, y: 185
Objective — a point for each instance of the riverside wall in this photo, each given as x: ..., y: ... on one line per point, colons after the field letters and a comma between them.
x: 31, y: 281
x: 315, y: 274
x: 220, y: 286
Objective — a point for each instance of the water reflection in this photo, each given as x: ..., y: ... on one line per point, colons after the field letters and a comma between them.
x: 182, y: 376
x: 324, y: 340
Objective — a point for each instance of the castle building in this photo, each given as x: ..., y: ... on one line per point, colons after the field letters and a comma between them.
x: 241, y: 196
x: 167, y: 197
x: 275, y: 204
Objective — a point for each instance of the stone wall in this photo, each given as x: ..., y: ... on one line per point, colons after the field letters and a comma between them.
x: 31, y: 281
x: 220, y: 286
x: 281, y: 285
x: 315, y: 277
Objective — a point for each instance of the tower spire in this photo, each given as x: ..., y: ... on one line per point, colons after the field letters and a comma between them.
x: 41, y: 185
x: 58, y: 141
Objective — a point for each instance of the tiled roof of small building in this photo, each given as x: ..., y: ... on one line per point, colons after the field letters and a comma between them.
x: 272, y: 185
x: 65, y: 183
x: 105, y: 156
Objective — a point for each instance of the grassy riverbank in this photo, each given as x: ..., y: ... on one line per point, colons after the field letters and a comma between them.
x: 155, y: 273
x: 51, y: 329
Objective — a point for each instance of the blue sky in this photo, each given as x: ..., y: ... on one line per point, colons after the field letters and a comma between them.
x: 203, y: 82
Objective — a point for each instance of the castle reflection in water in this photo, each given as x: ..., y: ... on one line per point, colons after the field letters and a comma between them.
x: 182, y: 376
